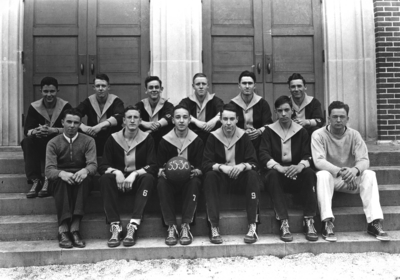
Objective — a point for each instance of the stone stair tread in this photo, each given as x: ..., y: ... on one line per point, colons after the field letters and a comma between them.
x: 47, y: 252
x: 388, y: 167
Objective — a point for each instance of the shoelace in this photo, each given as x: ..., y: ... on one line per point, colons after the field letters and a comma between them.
x: 131, y: 230
x: 115, y: 230
x: 329, y: 227
x: 378, y: 226
x: 252, y: 230
x: 171, y: 231
x: 310, y: 225
x: 185, y: 231
x: 214, y: 232
x: 285, y: 227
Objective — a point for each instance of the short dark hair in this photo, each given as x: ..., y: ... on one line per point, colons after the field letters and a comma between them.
x: 47, y: 81
x: 296, y: 76
x: 73, y: 112
x: 101, y: 76
x: 180, y: 106
x: 131, y: 107
x: 152, y: 78
x: 282, y: 100
x: 229, y: 107
x: 247, y: 74
x: 338, y: 105
x: 199, y: 75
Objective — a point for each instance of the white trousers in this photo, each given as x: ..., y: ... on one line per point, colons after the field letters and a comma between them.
x: 367, y: 187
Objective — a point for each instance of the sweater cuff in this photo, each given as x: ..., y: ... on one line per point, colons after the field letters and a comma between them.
x: 271, y: 163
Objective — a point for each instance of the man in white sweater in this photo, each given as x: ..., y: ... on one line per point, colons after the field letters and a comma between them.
x: 341, y: 155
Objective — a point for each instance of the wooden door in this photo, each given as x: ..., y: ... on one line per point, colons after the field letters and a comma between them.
x: 73, y: 40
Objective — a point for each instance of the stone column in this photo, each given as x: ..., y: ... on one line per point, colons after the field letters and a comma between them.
x: 175, y: 44
x: 350, y: 61
x: 11, y: 30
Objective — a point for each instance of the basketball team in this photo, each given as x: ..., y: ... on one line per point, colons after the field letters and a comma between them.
x: 214, y: 149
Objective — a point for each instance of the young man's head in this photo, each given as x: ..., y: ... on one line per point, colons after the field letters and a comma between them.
x: 154, y: 88
x: 247, y: 83
x: 71, y: 121
x: 284, y: 109
x: 297, y: 86
x: 200, y: 85
x: 228, y: 118
x: 181, y: 117
x: 338, y: 114
x: 131, y: 118
x: 101, y: 86
x: 49, y: 89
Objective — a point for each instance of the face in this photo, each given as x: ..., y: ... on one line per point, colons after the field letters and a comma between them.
x: 247, y: 86
x: 49, y: 93
x: 132, y: 120
x: 154, y: 90
x: 228, y: 121
x: 200, y: 86
x: 101, y: 88
x: 181, y: 119
x: 297, y: 88
x: 338, y: 118
x: 71, y: 124
x: 284, y: 113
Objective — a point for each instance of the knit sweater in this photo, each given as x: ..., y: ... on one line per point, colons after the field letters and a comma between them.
x: 331, y: 152
x: 59, y: 157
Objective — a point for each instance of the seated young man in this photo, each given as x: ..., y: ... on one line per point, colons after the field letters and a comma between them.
x: 104, y: 112
x: 155, y: 111
x: 43, y: 122
x: 180, y: 141
x: 285, y: 153
x: 230, y: 164
x: 128, y: 164
x: 70, y: 164
x: 341, y: 155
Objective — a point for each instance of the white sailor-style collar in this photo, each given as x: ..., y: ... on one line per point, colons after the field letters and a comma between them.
x: 209, y: 97
x: 120, y: 139
x: 41, y: 109
x: 219, y: 134
x: 96, y: 107
x: 70, y: 139
x: 171, y: 138
x: 239, y: 101
x: 159, y: 106
x: 277, y: 128
x: 307, y: 100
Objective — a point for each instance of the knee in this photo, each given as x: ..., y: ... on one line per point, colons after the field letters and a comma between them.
x: 369, y: 174
x: 272, y: 174
x: 148, y: 180
x: 323, y: 175
x: 211, y: 176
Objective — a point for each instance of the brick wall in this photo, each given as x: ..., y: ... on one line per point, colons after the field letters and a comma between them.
x: 387, y: 38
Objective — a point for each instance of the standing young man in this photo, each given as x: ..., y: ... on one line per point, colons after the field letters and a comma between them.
x: 180, y: 141
x: 70, y: 164
x: 104, y: 112
x: 43, y: 122
x: 128, y: 164
x: 341, y: 155
x: 285, y: 152
x: 230, y: 165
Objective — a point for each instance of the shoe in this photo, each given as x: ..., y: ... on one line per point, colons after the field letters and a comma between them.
x: 33, y: 191
x: 44, y: 191
x: 186, y: 236
x: 77, y: 240
x: 375, y: 229
x: 172, y: 238
x: 129, y: 239
x: 115, y: 239
x: 309, y: 229
x: 251, y: 236
x: 215, y: 238
x: 64, y: 240
x: 327, y: 231
x: 286, y: 236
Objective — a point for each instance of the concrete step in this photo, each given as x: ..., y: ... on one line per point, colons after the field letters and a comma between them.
x: 18, y: 204
x: 387, y: 175
x: 39, y: 253
x: 37, y: 227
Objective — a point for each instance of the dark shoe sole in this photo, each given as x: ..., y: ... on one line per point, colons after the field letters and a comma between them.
x: 31, y: 195
x: 113, y: 245
x: 249, y: 241
x: 216, y: 241
x: 313, y: 239
x: 42, y: 194
x: 171, y: 243
x: 76, y: 245
x: 65, y: 246
x: 185, y: 242
x: 286, y: 239
x: 128, y: 243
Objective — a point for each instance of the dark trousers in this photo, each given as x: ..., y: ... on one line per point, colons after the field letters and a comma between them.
x: 70, y: 199
x: 142, y: 188
x: 190, y: 195
x: 216, y: 183
x: 34, y: 153
x: 305, y: 184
